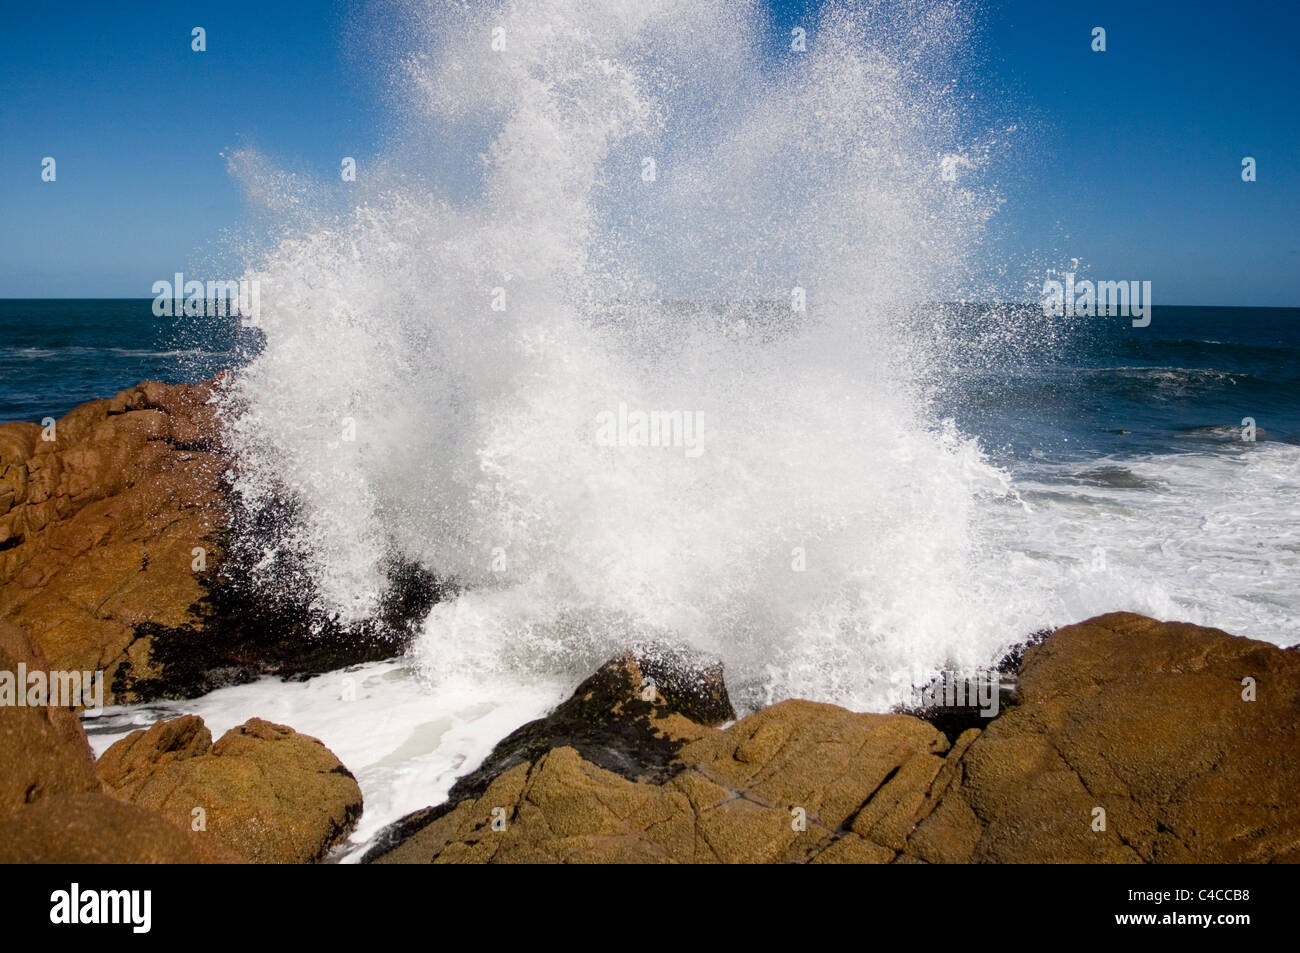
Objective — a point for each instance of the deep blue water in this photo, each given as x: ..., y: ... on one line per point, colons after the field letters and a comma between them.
x: 58, y: 353
x: 1185, y: 382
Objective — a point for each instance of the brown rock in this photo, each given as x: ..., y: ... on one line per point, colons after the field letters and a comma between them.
x: 43, y: 751
x: 265, y: 791
x: 98, y: 527
x: 791, y: 783
x: 1142, y: 718
x: 99, y: 530
x: 51, y: 806
x: 98, y: 829
x: 632, y: 717
x: 787, y: 784
x: 1146, y: 720
x: 133, y: 760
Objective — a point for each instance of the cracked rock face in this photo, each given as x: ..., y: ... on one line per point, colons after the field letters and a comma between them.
x: 1143, y: 719
x: 265, y: 792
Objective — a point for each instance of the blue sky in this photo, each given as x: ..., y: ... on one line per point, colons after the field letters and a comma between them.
x: 1133, y: 164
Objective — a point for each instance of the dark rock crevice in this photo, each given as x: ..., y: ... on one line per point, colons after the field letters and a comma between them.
x: 252, y: 624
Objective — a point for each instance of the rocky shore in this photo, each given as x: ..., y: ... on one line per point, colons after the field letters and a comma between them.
x: 1132, y: 741
x: 1126, y: 739
x: 114, y: 530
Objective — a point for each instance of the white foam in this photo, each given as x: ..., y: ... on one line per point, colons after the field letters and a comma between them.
x: 476, y: 430
x: 1207, y: 537
x: 1206, y: 541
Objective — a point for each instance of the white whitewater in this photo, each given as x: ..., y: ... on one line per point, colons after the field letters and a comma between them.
x: 476, y: 445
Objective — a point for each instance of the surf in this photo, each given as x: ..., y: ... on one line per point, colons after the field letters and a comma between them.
x: 469, y: 320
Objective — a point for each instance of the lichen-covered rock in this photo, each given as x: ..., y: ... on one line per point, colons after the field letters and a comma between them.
x: 265, y: 791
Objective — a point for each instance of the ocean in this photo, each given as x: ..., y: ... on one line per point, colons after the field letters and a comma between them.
x: 1183, y: 384
x: 56, y: 353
